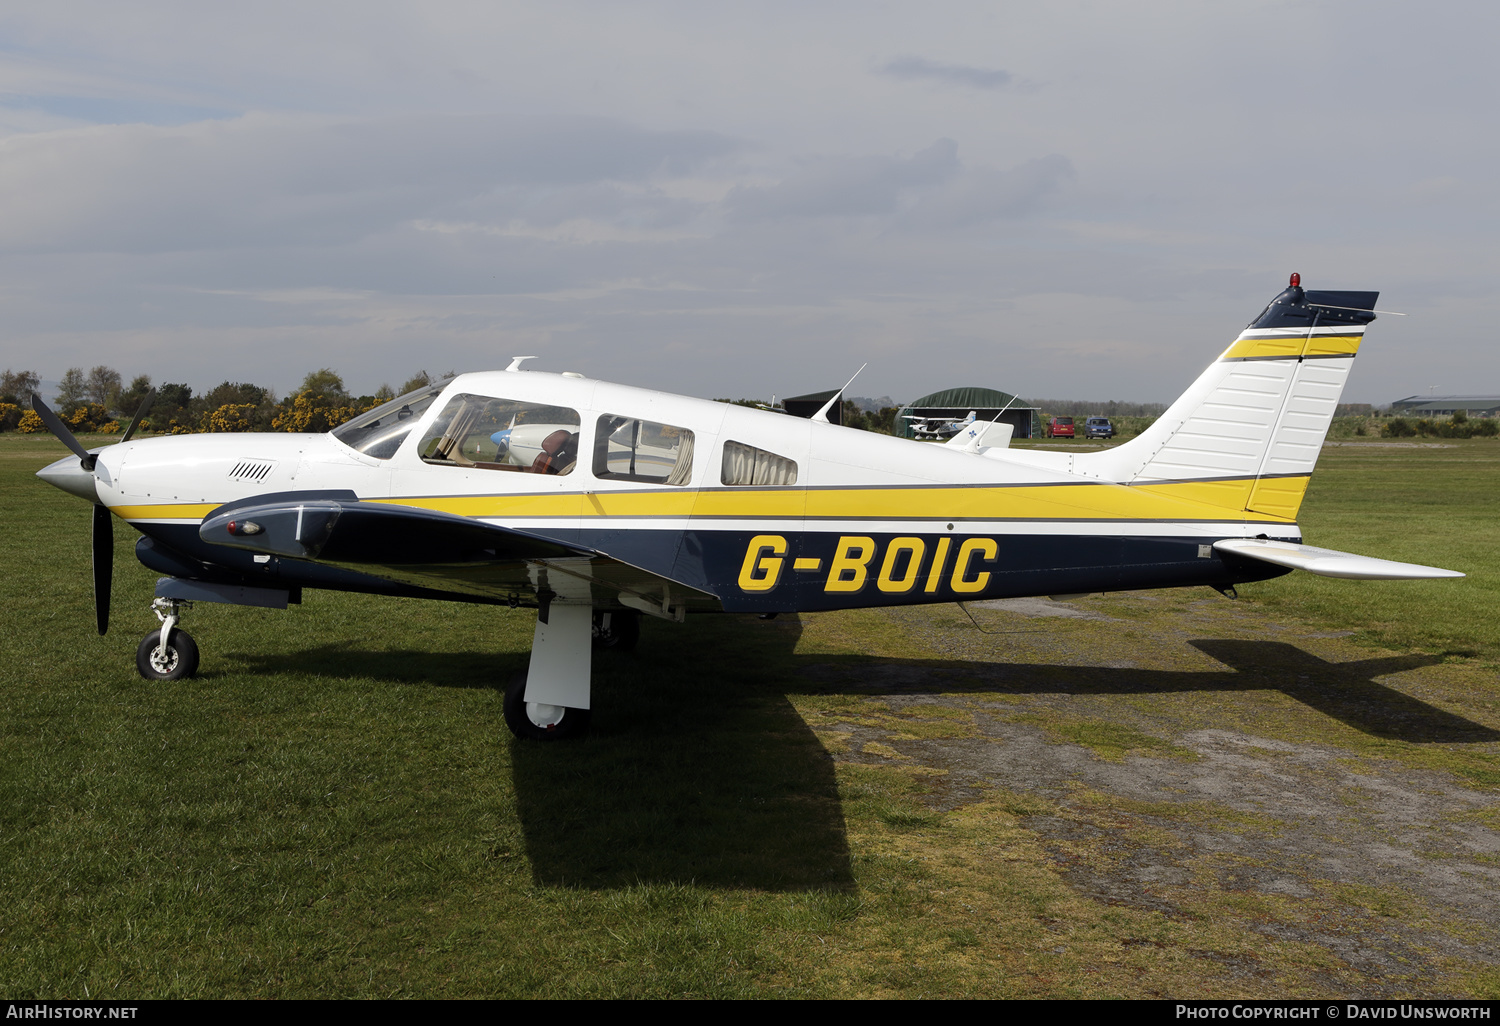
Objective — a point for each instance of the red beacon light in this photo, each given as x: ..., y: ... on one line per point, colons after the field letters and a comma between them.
x: 1296, y: 280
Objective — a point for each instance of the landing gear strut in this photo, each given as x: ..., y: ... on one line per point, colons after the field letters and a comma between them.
x: 168, y: 653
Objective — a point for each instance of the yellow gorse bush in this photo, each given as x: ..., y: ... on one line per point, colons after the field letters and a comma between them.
x: 88, y: 417
x: 229, y: 417
x: 313, y: 413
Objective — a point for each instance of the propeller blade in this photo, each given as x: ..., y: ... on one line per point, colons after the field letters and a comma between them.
x: 104, y: 565
x: 140, y: 415
x: 57, y: 427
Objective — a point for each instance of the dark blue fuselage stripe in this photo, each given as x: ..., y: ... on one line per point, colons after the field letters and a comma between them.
x: 719, y: 562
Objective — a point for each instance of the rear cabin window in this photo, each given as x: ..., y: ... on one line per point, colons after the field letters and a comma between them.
x: 628, y: 449
x: 486, y: 433
x: 747, y: 465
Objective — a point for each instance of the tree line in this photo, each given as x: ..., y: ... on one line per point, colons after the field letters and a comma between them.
x: 881, y: 421
x: 99, y: 401
x: 1459, y: 425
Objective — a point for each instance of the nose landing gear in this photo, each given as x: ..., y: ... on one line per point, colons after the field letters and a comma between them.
x: 168, y: 653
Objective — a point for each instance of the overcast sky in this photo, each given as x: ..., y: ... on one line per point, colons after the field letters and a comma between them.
x: 1083, y: 200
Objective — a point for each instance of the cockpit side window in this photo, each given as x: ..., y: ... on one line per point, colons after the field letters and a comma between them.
x: 627, y: 449
x: 486, y: 433
x: 380, y: 432
x: 747, y: 465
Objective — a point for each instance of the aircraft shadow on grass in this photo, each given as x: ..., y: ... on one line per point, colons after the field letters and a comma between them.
x: 679, y: 782
x: 1346, y: 692
x: 720, y: 782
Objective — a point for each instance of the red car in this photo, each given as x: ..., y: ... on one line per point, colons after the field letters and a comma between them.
x: 1060, y: 427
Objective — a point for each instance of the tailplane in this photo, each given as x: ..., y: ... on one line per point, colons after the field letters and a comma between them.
x: 1329, y: 562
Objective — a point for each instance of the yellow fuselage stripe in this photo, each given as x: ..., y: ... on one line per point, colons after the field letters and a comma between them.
x: 1179, y: 500
x: 166, y: 511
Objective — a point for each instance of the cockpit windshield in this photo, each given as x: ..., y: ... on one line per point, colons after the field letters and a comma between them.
x: 380, y: 432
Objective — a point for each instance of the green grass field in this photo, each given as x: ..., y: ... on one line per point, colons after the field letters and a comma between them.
x: 1428, y: 502
x: 334, y: 807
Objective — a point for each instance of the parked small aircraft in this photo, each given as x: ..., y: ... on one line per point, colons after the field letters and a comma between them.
x: 938, y: 427
x: 596, y: 503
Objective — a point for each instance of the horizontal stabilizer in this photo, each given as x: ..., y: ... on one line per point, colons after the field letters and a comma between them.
x: 1329, y: 562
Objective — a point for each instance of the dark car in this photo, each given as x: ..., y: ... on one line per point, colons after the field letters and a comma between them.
x: 1060, y: 427
x: 1098, y: 427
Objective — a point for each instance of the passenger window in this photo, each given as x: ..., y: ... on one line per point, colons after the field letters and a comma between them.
x: 639, y: 450
x: 486, y: 433
x: 747, y: 465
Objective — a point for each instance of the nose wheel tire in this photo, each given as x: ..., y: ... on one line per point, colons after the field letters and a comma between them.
x: 179, y: 660
x: 535, y: 721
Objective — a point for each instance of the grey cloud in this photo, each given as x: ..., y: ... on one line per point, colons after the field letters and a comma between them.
x: 116, y: 110
x: 932, y: 190
x: 262, y: 179
x: 624, y: 204
x: 950, y: 74
x: 844, y: 186
x: 191, y: 238
x: 981, y: 195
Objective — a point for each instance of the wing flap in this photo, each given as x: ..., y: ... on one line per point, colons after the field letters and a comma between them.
x: 1330, y: 562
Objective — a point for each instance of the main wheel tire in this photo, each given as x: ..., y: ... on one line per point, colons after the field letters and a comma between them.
x: 533, y: 721
x: 179, y: 661
x: 620, y: 632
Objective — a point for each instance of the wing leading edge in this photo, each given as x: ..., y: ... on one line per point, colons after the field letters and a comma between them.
x: 445, y: 552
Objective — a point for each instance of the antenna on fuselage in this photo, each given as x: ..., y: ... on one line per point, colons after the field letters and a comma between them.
x: 516, y: 361
x: 823, y: 413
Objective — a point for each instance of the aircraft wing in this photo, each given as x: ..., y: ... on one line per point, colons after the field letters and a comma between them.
x: 1329, y: 562
x: 443, y: 552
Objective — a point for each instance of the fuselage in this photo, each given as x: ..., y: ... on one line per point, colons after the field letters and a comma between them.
x: 752, y: 510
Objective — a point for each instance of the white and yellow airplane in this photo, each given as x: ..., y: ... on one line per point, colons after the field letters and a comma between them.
x: 597, y: 502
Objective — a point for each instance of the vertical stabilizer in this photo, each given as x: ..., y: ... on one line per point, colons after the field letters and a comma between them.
x: 1247, y: 433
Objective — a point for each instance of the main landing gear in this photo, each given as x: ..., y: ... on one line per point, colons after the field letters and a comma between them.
x: 539, y: 721
x: 618, y: 629
x: 168, y: 653
x: 550, y: 701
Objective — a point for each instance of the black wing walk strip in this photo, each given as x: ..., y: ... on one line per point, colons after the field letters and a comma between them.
x: 335, y: 531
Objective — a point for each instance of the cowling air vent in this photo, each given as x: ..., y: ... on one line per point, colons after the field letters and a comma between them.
x: 252, y: 470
